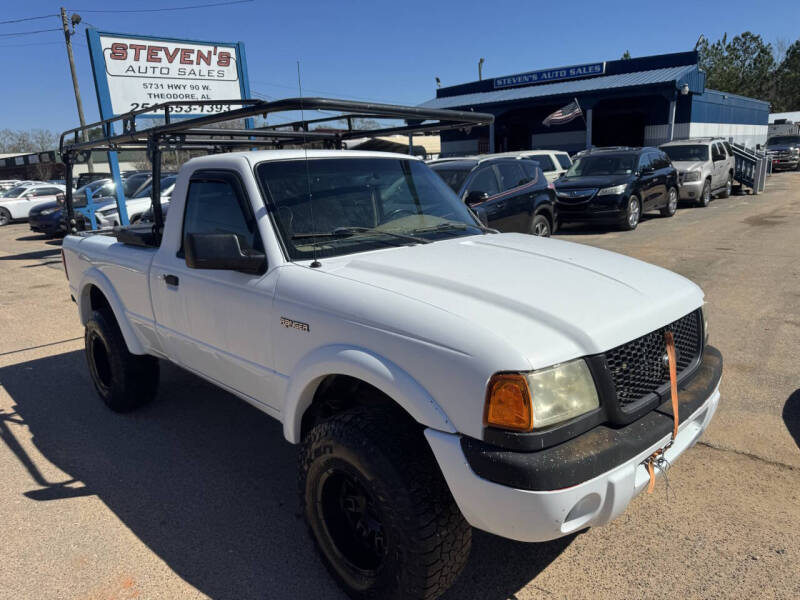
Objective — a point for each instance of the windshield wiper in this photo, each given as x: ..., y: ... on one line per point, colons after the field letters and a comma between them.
x: 343, y: 232
x: 448, y: 227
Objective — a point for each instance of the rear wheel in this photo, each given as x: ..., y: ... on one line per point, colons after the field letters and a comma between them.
x: 705, y: 195
x: 540, y: 226
x: 728, y: 187
x: 633, y: 212
x: 5, y: 217
x: 672, y: 203
x: 378, y: 508
x: 123, y: 380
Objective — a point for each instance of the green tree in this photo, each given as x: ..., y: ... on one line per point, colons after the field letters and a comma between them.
x: 787, y: 81
x: 744, y: 65
x: 626, y: 55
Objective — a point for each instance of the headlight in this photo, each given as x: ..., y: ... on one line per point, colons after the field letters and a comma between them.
x: 48, y: 211
x: 541, y: 398
x: 692, y: 176
x: 795, y: 151
x: 614, y: 190
x: 705, y: 328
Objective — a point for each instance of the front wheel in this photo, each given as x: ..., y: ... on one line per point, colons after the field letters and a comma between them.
x: 705, y: 195
x: 633, y: 212
x: 5, y: 217
x: 378, y: 508
x: 123, y: 380
x: 540, y: 226
x: 672, y: 203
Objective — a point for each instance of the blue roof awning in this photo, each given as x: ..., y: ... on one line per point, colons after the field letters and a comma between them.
x: 674, y: 75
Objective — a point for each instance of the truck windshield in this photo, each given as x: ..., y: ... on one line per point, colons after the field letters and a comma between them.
x: 781, y: 140
x: 687, y: 153
x: 359, y: 204
x: 614, y: 164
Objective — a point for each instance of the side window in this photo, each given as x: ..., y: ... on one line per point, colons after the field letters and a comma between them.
x: 485, y: 181
x: 728, y: 148
x: 718, y: 152
x: 511, y: 175
x: 42, y: 192
x: 663, y: 160
x: 545, y: 162
x: 529, y: 167
x: 217, y: 205
x: 564, y: 161
x: 645, y: 161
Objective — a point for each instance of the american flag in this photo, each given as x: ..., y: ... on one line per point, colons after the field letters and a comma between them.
x: 565, y: 114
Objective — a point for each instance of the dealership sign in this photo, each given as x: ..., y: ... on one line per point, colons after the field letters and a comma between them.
x: 550, y: 75
x: 135, y: 72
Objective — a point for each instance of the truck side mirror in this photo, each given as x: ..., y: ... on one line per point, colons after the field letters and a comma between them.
x: 222, y: 251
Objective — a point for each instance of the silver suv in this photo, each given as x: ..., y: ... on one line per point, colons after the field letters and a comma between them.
x: 705, y: 167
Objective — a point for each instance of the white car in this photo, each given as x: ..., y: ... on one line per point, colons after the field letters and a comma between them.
x: 17, y: 202
x: 436, y: 374
x: 554, y: 163
x: 109, y: 215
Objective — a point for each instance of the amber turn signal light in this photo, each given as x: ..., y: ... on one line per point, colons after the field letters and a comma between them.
x: 508, y: 402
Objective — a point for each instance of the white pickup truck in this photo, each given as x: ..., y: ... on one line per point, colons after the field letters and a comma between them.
x: 437, y: 375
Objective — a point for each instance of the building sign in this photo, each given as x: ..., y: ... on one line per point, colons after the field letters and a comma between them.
x: 550, y: 75
x: 135, y: 72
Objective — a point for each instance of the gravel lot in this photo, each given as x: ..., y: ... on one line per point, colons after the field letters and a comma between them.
x: 194, y: 496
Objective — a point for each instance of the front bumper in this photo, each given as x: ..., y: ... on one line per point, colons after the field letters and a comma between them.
x: 784, y: 163
x: 691, y: 190
x: 605, y: 209
x: 47, y: 225
x: 590, y: 492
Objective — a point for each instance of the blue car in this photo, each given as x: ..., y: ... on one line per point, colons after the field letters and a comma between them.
x: 49, y: 219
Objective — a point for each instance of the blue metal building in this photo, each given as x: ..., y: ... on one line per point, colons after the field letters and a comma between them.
x: 635, y: 102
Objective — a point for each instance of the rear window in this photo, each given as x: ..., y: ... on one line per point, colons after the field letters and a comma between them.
x: 564, y: 161
x: 545, y: 162
x: 689, y: 152
x: 453, y: 177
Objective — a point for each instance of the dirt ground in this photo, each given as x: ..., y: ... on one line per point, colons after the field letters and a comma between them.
x: 194, y: 496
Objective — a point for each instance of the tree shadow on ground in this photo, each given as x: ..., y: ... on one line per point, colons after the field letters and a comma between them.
x: 791, y: 416
x: 206, y: 481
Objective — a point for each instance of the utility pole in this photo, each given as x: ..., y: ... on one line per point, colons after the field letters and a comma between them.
x: 67, y: 37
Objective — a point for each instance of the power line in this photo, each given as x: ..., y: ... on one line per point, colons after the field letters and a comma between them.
x: 151, y: 10
x: 18, y: 33
x: 30, y: 44
x: 26, y: 19
x: 328, y: 92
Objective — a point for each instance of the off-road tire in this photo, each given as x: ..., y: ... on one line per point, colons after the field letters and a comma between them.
x: 5, y: 217
x: 726, y: 192
x: 629, y: 223
x: 540, y: 226
x: 123, y: 380
x: 426, y: 540
x: 705, y: 195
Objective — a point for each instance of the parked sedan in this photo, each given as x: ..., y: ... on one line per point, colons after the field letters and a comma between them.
x: 616, y: 185
x: 109, y: 216
x: 18, y: 202
x: 508, y: 194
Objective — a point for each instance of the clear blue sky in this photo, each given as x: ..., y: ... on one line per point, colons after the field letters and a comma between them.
x: 384, y: 51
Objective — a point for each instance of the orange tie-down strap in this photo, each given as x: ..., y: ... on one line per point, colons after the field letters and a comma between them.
x: 669, y: 339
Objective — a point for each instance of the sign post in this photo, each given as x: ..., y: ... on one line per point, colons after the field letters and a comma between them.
x: 134, y: 72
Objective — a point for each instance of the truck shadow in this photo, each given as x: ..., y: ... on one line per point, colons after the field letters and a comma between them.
x: 206, y: 481
x: 791, y: 416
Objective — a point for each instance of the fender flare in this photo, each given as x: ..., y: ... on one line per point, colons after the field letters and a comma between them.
x: 94, y: 277
x: 361, y: 364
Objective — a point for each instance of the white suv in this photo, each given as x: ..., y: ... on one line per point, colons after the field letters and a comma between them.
x: 705, y: 167
x: 18, y: 202
x: 554, y: 163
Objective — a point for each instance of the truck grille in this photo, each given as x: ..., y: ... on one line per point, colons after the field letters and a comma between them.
x: 639, y: 369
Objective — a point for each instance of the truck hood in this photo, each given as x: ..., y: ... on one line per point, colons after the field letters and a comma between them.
x: 551, y: 300
x: 688, y: 165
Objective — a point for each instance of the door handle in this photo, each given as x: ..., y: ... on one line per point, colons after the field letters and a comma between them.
x: 171, y: 280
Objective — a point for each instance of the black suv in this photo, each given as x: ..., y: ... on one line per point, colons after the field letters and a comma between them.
x: 617, y: 185
x: 508, y: 194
